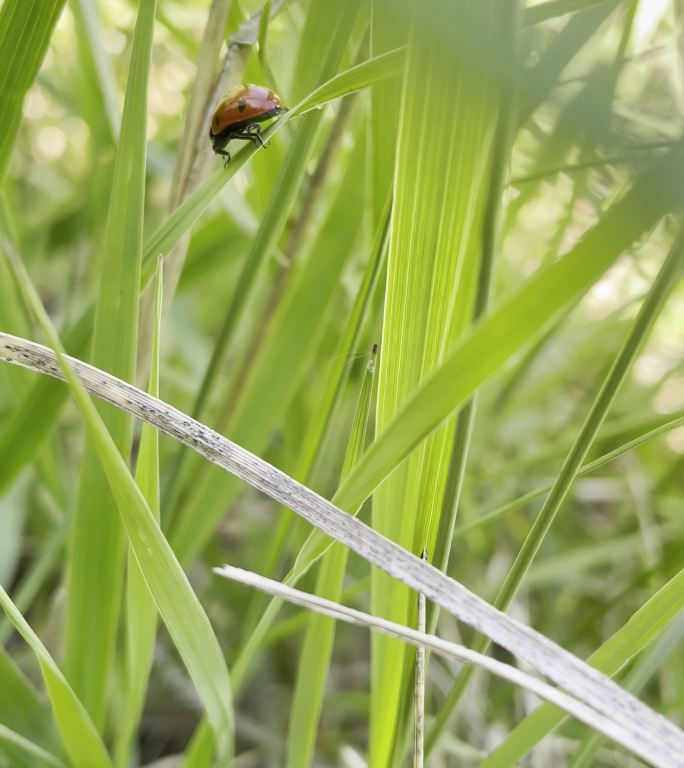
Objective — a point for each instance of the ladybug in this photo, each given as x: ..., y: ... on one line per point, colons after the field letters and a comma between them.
x: 238, y: 116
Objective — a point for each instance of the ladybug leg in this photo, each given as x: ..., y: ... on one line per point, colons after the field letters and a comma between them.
x: 249, y: 134
x: 255, y: 129
x: 224, y: 153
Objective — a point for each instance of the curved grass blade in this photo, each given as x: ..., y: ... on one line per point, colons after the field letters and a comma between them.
x: 376, y: 70
x: 79, y: 735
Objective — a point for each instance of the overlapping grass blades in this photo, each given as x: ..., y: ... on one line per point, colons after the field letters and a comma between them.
x: 168, y: 585
x: 316, y: 646
x: 96, y: 548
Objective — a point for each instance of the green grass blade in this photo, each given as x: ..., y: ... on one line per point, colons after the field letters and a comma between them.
x: 491, y: 240
x: 317, y: 431
x: 178, y: 606
x: 95, y: 68
x: 563, y: 48
x: 316, y: 648
x: 442, y: 161
x: 79, y: 735
x: 141, y: 614
x: 22, y: 709
x: 200, y: 751
x: 517, y: 322
x: 643, y: 324
x: 26, y: 27
x: 96, y: 551
x: 387, y: 31
x: 376, y: 70
x: 38, y: 755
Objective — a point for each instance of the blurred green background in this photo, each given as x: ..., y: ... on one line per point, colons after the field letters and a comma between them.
x: 511, y: 132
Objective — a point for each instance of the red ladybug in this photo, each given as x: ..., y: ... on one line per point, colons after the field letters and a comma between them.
x: 238, y: 116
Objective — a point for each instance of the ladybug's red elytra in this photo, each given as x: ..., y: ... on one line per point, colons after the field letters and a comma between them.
x: 238, y: 116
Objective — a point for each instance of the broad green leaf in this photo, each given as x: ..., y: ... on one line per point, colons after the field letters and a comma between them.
x: 388, y: 30
x: 26, y: 27
x: 491, y: 239
x: 443, y: 155
x: 96, y: 550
